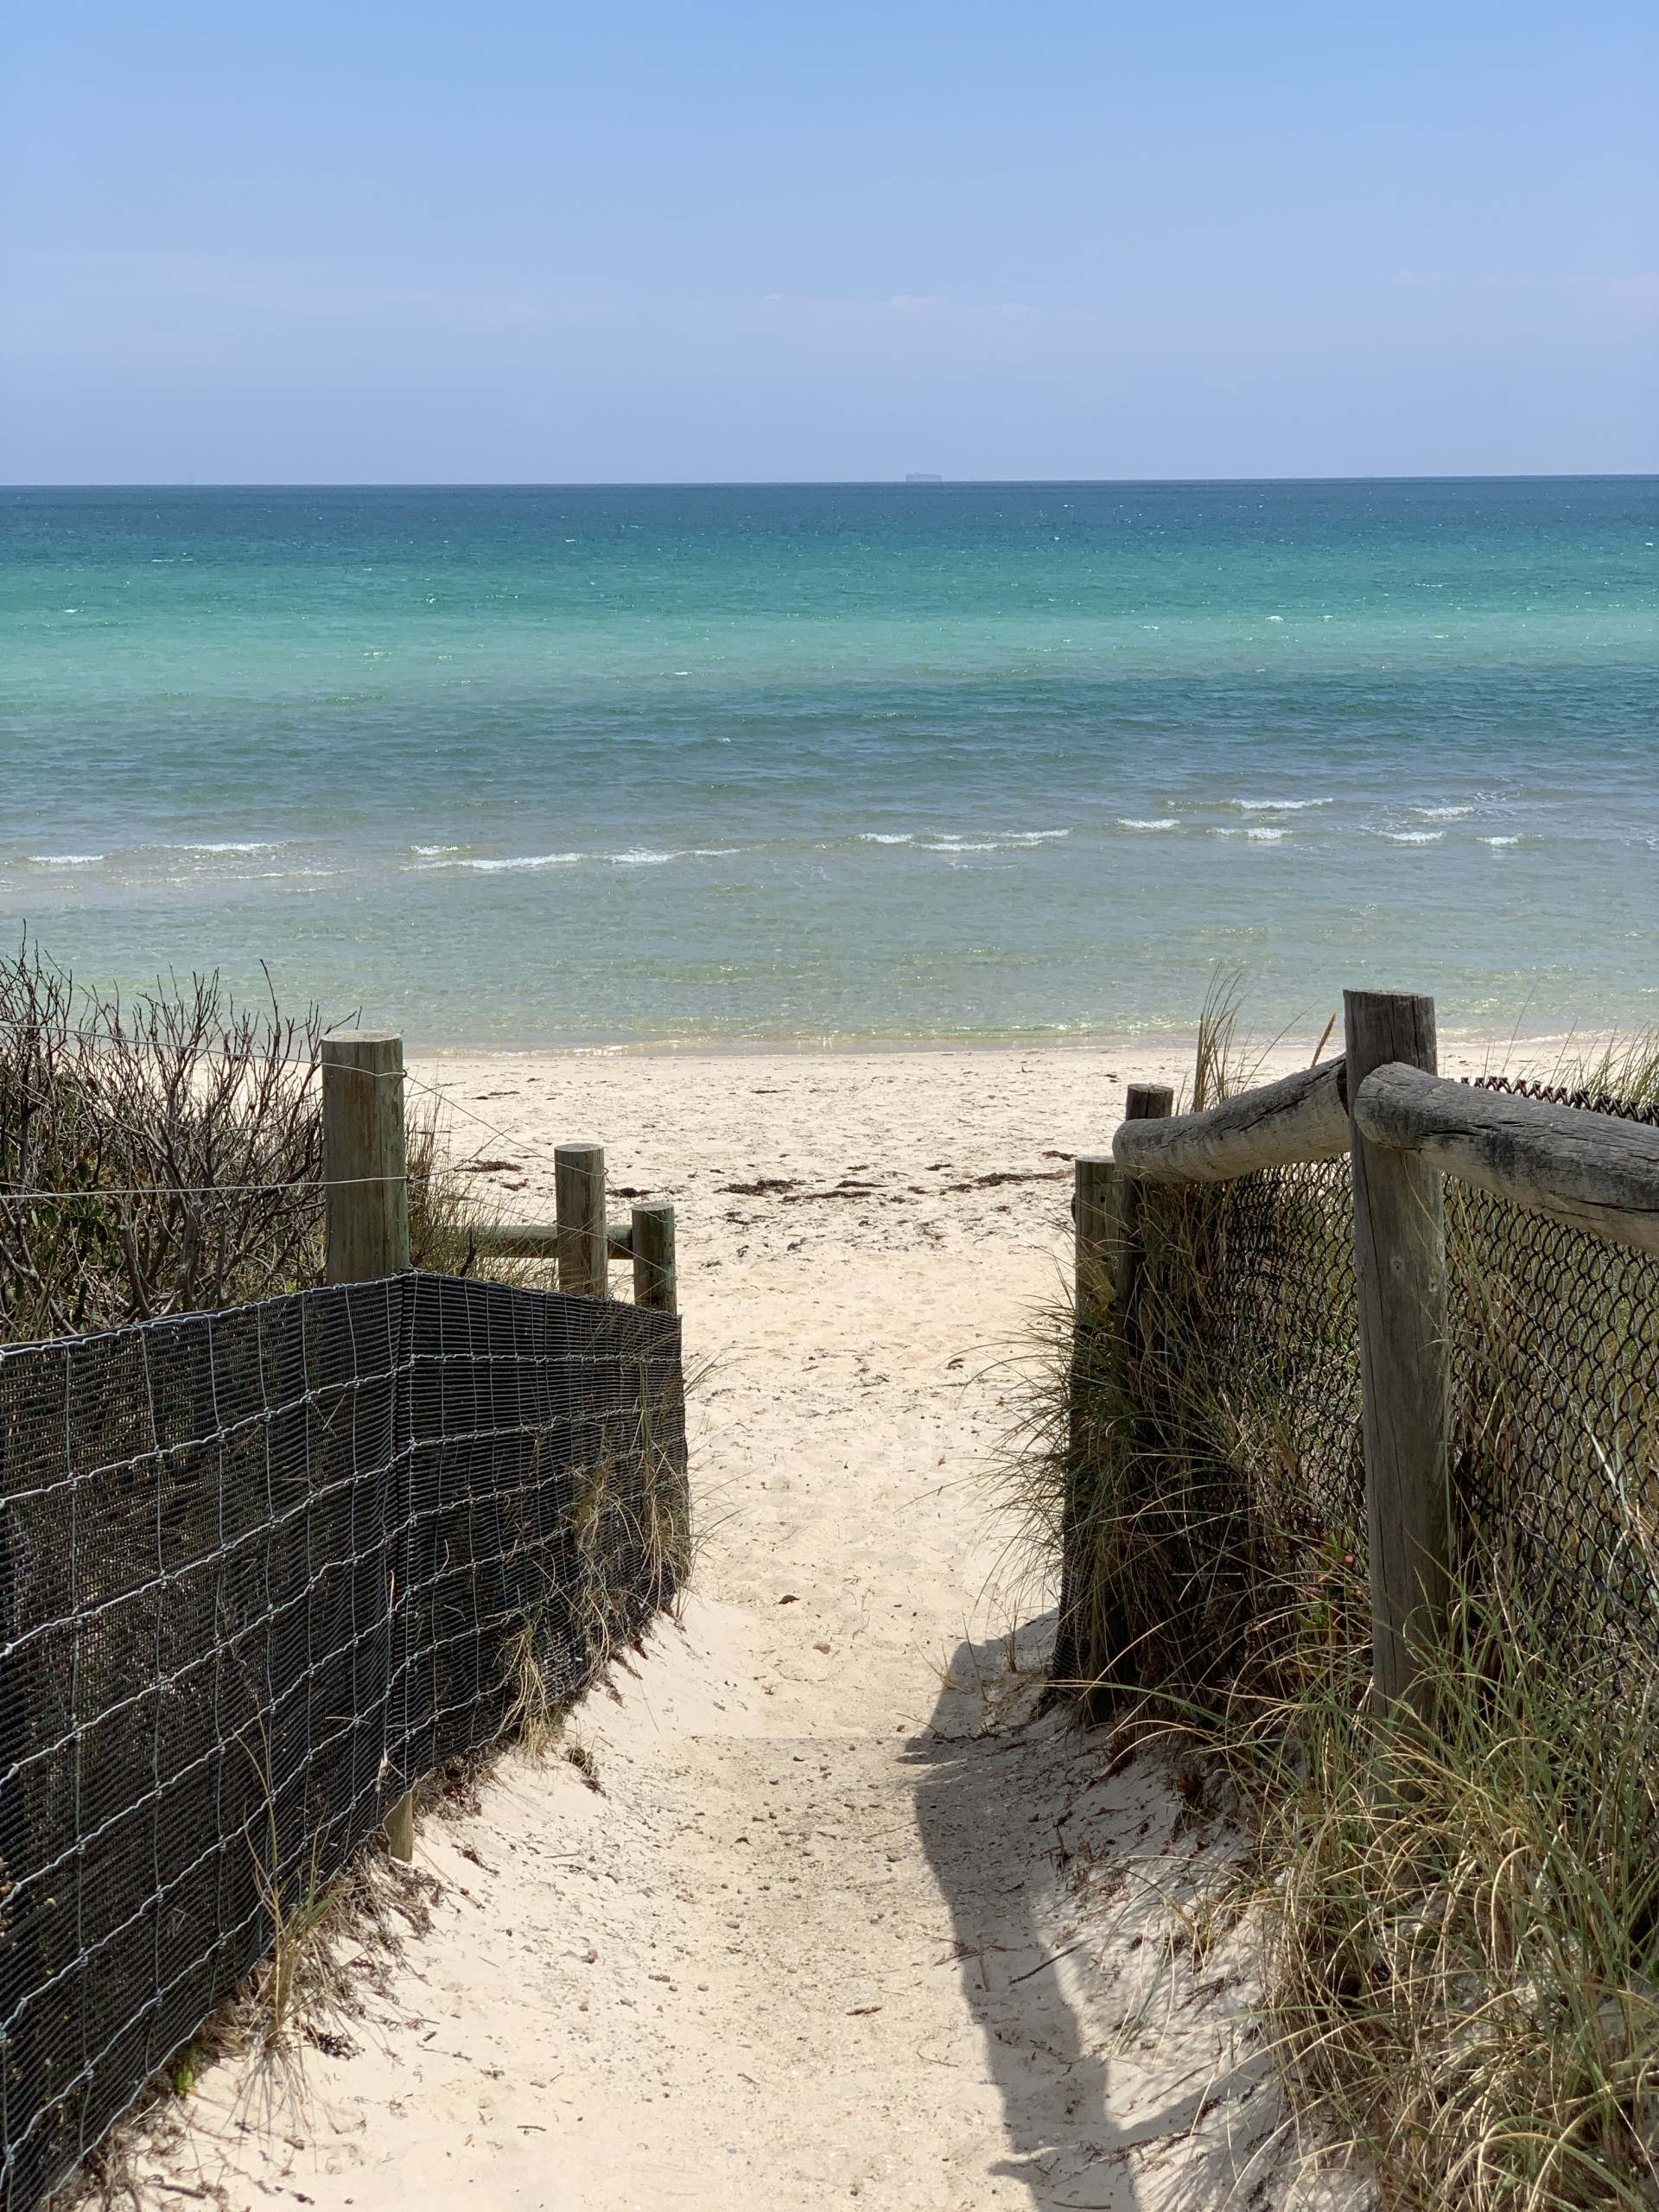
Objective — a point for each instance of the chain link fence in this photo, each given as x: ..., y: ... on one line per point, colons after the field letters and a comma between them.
x: 1254, y: 1359
x: 261, y: 1570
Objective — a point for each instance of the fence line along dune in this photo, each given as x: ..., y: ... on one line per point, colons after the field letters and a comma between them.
x: 1357, y: 1496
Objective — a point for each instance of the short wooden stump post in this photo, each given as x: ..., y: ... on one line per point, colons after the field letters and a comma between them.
x: 366, y: 1207
x: 1094, y: 1214
x: 579, y: 1205
x: 1143, y: 1102
x: 654, y: 1279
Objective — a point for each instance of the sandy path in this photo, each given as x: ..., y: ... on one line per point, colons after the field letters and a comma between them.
x: 796, y: 1948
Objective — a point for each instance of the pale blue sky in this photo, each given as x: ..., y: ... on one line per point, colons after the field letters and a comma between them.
x: 358, y: 242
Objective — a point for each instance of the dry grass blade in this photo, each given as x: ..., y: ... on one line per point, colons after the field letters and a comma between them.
x: 446, y: 1209
x: 1623, y: 1066
x: 1463, y: 1958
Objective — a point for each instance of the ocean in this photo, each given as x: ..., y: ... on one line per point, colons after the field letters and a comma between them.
x: 962, y: 761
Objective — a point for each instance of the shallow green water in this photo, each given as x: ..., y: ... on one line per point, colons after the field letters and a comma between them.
x: 521, y: 764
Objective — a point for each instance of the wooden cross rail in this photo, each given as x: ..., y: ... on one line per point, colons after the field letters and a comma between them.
x: 582, y: 1241
x: 646, y: 1238
x: 1303, y: 1117
x: 539, y: 1240
x: 1591, y: 1171
x: 1404, y: 1129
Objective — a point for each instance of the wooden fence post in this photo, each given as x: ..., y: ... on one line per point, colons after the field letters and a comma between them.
x: 1143, y: 1102
x: 366, y: 1208
x: 1093, y: 1214
x: 1109, y: 1257
x: 367, y: 1198
x: 1399, y: 1272
x: 1094, y: 1210
x: 654, y: 1278
x: 579, y: 1208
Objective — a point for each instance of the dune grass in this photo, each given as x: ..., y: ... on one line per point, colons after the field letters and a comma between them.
x: 1461, y: 1928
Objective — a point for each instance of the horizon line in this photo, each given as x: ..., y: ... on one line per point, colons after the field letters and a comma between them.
x: 918, y: 484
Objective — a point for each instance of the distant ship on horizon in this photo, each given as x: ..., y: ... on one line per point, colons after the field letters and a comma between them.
x: 921, y: 476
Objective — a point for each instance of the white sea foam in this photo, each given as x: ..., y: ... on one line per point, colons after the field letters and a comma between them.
x: 527, y: 859
x: 1128, y: 821
x: 1277, y: 805
x: 1441, y: 813
x: 928, y: 841
x: 1267, y: 836
x: 229, y: 845
x: 1500, y: 841
x: 431, y: 850
x: 638, y: 859
x: 66, y: 860
x: 1412, y: 836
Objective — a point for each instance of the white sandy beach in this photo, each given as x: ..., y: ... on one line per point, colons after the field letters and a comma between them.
x: 845, y: 1920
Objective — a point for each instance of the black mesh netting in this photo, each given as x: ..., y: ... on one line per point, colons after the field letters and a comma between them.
x: 260, y: 1570
x: 1555, y: 1354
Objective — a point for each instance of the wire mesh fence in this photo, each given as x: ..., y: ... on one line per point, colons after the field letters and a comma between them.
x: 1251, y: 1363
x: 261, y: 1570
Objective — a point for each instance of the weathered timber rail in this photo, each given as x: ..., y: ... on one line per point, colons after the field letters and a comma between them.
x: 1589, y: 1170
x: 1305, y: 1116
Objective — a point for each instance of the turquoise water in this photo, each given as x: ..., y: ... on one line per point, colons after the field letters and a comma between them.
x: 522, y: 765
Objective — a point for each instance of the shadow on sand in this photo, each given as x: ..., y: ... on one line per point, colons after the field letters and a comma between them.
x: 1005, y: 1801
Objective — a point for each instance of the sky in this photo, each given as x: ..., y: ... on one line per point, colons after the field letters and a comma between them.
x: 505, y: 242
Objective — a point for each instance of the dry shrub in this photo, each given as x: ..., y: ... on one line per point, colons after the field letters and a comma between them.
x: 157, y: 1155
x: 163, y: 1154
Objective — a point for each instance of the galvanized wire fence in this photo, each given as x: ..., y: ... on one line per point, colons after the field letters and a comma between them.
x: 261, y: 1570
x: 1244, y: 1386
